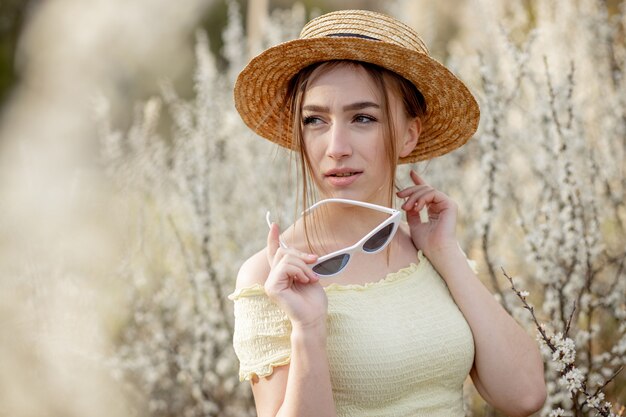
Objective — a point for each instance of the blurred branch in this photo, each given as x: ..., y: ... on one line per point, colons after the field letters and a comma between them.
x: 13, y: 17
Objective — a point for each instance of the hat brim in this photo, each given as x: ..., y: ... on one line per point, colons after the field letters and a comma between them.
x: 452, y: 112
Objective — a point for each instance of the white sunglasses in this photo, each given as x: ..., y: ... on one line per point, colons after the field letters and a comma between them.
x: 374, y: 242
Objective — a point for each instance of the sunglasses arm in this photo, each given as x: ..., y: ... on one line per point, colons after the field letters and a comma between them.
x: 352, y: 202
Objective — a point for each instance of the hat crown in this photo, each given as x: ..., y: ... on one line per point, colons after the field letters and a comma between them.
x: 364, y: 24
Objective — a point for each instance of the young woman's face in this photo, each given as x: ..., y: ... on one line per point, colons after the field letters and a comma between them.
x: 343, y: 134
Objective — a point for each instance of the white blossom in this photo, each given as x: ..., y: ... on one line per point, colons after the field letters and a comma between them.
x: 565, y: 352
x: 559, y: 412
x: 595, y: 401
x: 572, y: 380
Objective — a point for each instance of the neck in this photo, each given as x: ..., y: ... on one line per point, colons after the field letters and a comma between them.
x: 381, y: 197
x: 333, y: 225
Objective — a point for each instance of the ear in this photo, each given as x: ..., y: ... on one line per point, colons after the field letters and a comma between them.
x: 411, y: 136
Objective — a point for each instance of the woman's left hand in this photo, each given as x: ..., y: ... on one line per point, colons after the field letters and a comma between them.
x: 438, y: 233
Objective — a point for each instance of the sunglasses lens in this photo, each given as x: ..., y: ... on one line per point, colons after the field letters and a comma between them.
x: 332, y: 266
x: 377, y: 241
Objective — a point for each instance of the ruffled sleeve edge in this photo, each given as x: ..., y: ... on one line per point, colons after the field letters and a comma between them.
x: 256, y: 289
x: 263, y: 370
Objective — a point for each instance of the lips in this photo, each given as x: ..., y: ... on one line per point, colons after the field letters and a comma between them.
x: 345, y: 174
x: 342, y: 172
x: 342, y: 177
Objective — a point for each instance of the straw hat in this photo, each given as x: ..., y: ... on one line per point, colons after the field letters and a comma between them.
x: 451, y: 111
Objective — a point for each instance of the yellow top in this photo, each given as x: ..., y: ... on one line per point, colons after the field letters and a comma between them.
x: 396, y: 347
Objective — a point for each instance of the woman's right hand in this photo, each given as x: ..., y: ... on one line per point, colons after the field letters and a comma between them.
x: 293, y: 285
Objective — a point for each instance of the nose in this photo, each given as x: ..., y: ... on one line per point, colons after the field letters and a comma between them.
x: 339, y: 142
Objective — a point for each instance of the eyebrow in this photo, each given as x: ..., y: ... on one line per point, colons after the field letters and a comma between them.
x: 354, y: 106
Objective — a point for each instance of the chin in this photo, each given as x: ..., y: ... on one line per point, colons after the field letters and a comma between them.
x: 357, y: 195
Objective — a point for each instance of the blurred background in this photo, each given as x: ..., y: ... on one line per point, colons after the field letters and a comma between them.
x: 125, y: 176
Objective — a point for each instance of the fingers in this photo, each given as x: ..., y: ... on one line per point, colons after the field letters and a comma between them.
x: 273, y: 242
x: 295, y: 266
x: 417, y: 196
x: 290, y: 270
x: 421, y: 198
x: 289, y: 263
x: 417, y: 180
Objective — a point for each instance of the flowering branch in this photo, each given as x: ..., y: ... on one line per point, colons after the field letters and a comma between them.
x: 563, y: 353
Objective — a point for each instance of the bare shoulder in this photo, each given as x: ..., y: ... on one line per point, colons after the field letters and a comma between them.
x: 253, y: 271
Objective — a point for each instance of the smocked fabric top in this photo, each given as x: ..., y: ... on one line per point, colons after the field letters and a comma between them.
x: 398, y: 347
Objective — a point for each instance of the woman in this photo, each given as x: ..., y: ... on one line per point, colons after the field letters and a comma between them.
x: 391, y: 325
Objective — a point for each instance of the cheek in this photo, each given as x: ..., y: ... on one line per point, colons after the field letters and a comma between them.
x: 316, y: 146
x: 376, y: 149
x: 380, y: 159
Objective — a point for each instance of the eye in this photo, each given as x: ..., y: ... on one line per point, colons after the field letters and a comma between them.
x: 311, y: 120
x: 364, y: 118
